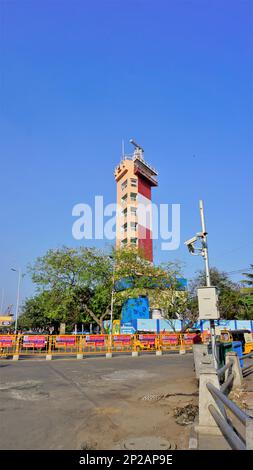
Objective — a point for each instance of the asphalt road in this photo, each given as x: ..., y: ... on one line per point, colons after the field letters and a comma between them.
x: 91, y: 403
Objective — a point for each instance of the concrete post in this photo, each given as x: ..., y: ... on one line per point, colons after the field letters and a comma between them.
x: 237, y: 371
x: 108, y: 355
x: 159, y: 353
x: 182, y: 350
x: 79, y: 356
x: 16, y: 354
x: 207, y: 425
x: 49, y: 348
x: 249, y: 434
x: 202, y: 354
x: 135, y: 354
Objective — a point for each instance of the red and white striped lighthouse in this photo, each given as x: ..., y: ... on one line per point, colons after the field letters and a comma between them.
x: 135, y: 179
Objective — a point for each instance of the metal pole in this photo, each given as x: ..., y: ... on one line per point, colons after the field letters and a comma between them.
x: 112, y: 299
x: 2, y: 302
x: 208, y: 281
x: 204, y: 243
x: 17, y: 306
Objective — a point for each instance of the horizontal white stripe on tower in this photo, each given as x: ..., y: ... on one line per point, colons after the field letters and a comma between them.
x: 144, y: 211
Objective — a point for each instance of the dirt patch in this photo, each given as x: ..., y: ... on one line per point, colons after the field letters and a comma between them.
x: 28, y: 390
x: 186, y: 414
x: 140, y: 417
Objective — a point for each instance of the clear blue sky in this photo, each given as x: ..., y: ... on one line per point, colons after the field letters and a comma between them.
x: 77, y: 77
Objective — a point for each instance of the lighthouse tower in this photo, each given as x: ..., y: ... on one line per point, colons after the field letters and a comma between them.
x: 135, y: 179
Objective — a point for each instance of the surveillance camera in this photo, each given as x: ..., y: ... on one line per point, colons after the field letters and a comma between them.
x: 201, y: 234
x: 191, y: 241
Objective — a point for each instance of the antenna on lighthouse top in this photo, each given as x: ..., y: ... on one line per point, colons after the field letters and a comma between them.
x: 138, y: 152
x: 122, y: 148
x: 138, y: 147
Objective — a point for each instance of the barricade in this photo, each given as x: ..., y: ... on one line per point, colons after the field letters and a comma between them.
x: 122, y: 343
x: 30, y: 345
x: 33, y: 345
x: 145, y: 342
x: 187, y: 340
x: 169, y: 341
x: 7, y: 345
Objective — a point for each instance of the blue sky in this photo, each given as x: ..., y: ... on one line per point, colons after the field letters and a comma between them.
x: 77, y: 77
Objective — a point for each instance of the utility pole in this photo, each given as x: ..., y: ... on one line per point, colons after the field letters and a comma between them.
x: 112, y: 298
x: 18, y: 291
x: 2, y: 302
x: 208, y: 281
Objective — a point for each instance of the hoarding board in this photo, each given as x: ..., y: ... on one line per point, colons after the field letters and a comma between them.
x: 65, y: 340
x: 34, y: 341
x: 97, y: 340
x: 6, y: 341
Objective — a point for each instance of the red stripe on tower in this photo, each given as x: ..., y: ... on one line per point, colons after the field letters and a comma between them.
x: 144, y: 188
x: 145, y: 241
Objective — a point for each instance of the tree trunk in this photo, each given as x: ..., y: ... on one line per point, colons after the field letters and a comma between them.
x: 99, y: 321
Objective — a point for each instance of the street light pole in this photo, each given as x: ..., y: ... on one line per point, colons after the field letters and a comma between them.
x: 208, y: 281
x: 112, y: 296
x: 2, y: 302
x: 204, y: 243
x: 18, y: 292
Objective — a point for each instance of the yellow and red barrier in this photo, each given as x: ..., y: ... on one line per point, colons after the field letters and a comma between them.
x: 89, y: 344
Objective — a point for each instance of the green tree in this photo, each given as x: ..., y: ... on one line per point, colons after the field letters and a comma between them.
x: 230, y: 296
x: 38, y: 311
x: 160, y: 283
x: 247, y: 294
x: 249, y: 276
x: 75, y: 285
x: 79, y: 279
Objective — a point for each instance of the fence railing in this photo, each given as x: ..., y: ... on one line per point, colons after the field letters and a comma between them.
x: 58, y: 345
x: 219, y: 415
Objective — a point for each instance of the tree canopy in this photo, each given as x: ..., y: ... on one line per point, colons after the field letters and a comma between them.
x: 74, y: 285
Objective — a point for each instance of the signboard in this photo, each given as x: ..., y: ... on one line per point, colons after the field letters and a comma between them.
x: 248, y: 337
x: 6, y: 341
x: 6, y: 320
x: 147, y: 338
x: 170, y: 325
x: 243, y: 325
x: 116, y: 327
x: 65, y: 340
x: 208, y: 303
x: 169, y: 339
x: 34, y: 341
x: 125, y: 339
x: 96, y: 340
x: 188, y: 338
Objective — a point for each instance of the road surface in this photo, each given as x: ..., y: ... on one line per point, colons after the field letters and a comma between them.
x: 95, y: 403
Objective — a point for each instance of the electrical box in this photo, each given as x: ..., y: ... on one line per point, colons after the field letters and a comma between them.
x: 208, y: 303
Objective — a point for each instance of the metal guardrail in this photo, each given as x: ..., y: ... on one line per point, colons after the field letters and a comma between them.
x: 244, y: 356
x: 230, y: 435
x: 219, y: 395
x: 238, y: 439
x: 225, y: 386
x: 223, y: 369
